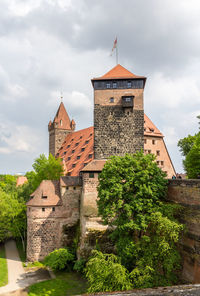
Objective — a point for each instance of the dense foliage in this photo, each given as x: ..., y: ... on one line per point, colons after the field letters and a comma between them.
x: 190, y: 149
x: 104, y: 272
x: 13, y: 199
x: 132, y: 202
x: 59, y: 259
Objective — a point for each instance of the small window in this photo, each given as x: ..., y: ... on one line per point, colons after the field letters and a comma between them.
x: 158, y: 152
x: 145, y: 141
x: 69, y: 158
x: 90, y: 156
x: 149, y: 151
x: 68, y: 146
x: 91, y: 175
x: 129, y: 84
x: 158, y: 161
x: 85, y: 164
x: 127, y: 99
x: 76, y: 144
x: 29, y: 209
x: 151, y: 129
x: 65, y: 152
x: 128, y: 113
x: 78, y: 157
x: 90, y: 135
x: 107, y: 85
x: 53, y: 209
x: 44, y: 196
x: 153, y: 142
x: 112, y: 100
x: 61, y: 122
x: 67, y: 188
x: 73, y: 165
x: 144, y: 128
x: 43, y: 209
x: 73, y: 151
x: 83, y: 149
x: 114, y: 84
x: 162, y: 162
x: 81, y: 137
x: 68, y: 174
x: 86, y: 142
x: 74, y: 188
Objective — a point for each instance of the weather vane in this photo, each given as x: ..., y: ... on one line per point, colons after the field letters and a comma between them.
x: 61, y: 96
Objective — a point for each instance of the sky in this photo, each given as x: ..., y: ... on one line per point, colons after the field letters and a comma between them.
x: 49, y: 47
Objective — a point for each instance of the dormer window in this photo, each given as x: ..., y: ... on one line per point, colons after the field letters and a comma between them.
x: 86, y: 142
x: 90, y: 156
x: 83, y: 149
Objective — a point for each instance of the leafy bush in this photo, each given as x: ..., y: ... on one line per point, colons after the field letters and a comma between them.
x: 104, y: 272
x: 80, y: 265
x: 58, y: 259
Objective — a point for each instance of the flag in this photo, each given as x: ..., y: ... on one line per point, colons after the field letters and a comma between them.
x: 114, y: 46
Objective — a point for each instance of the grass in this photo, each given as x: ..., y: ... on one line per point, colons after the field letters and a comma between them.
x: 3, y: 267
x: 65, y: 284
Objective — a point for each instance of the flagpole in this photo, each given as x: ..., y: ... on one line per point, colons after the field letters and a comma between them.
x: 117, y: 54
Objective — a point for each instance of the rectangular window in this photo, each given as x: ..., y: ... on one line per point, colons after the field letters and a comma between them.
x: 78, y: 157
x: 76, y: 144
x: 112, y: 100
x: 53, y: 209
x: 127, y: 99
x: 86, y: 142
x: 91, y: 175
x: 153, y: 142
x: 73, y: 151
x: 44, y: 196
x: 43, y: 209
x: 158, y: 152
x: 129, y: 84
x: 145, y: 141
x: 158, y: 162
x: 90, y: 156
x: 74, y: 188
x: 149, y: 151
x: 65, y: 152
x: 83, y: 149
x: 107, y: 85
x: 114, y: 84
x: 162, y: 162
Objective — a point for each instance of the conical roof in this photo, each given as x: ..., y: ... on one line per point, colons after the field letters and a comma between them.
x: 62, y: 118
x: 119, y: 72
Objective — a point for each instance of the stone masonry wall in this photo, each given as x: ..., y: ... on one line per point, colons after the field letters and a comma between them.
x: 187, y: 194
x: 48, y: 230
x: 56, y: 139
x: 116, y: 131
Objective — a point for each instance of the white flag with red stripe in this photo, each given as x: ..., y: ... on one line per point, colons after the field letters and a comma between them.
x: 114, y: 46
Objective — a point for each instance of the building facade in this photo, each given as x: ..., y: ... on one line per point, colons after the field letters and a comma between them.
x: 120, y: 126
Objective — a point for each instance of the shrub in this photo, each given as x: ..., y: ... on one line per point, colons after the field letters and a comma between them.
x: 58, y: 259
x: 80, y: 265
x: 104, y: 272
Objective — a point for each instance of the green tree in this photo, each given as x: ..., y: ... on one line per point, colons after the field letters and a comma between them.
x: 105, y: 273
x: 190, y: 149
x: 131, y: 200
x: 12, y: 216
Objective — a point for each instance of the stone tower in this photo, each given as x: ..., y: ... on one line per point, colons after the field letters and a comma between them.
x: 118, y: 113
x: 59, y: 128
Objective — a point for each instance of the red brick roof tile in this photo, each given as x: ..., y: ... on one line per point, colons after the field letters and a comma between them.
x: 48, y: 188
x: 119, y: 72
x: 69, y: 149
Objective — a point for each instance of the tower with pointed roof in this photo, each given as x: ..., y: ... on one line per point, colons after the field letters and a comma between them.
x: 118, y: 113
x: 59, y: 129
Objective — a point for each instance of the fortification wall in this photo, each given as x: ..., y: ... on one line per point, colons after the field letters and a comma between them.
x: 52, y: 227
x: 187, y: 194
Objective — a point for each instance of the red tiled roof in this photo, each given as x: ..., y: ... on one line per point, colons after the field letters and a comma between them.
x: 21, y: 180
x: 76, y: 141
x: 48, y: 188
x: 119, y: 72
x: 77, y: 144
x: 62, y: 119
x: 150, y: 129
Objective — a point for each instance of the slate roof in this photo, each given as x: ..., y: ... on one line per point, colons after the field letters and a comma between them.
x: 47, y: 194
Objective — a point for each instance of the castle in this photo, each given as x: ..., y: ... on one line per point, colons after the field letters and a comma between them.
x: 56, y: 208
